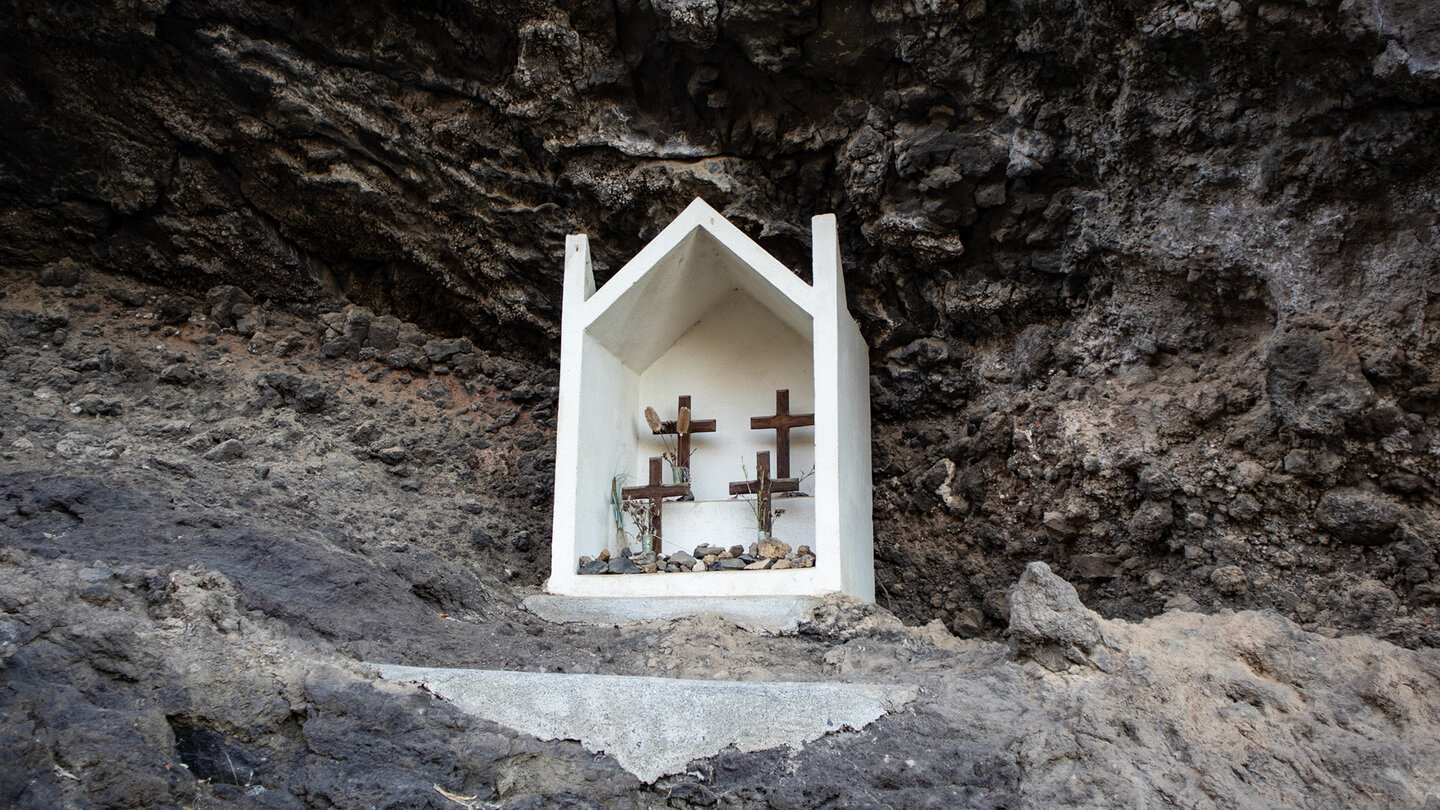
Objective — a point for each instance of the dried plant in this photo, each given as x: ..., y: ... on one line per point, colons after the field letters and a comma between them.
x: 653, y: 420
x: 682, y: 427
x: 760, y: 488
x: 643, y: 516
x: 802, y: 479
x: 617, y: 500
x: 619, y: 508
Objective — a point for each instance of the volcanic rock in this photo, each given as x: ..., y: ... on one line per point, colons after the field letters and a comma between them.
x: 623, y: 565
x: 1048, y: 623
x: 772, y: 549
x: 64, y: 273
x: 1315, y: 381
x: 1358, y: 515
x: 228, y: 450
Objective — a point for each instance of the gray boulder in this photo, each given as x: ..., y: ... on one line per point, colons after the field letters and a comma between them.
x: 438, y: 351
x: 177, y: 374
x: 228, y: 450
x: 623, y: 565
x: 172, y: 310
x: 227, y: 303
x: 1365, y: 517
x: 384, y: 334
x: 1049, y: 624
x: 1314, y: 380
x: 1151, y: 521
x: 64, y: 273
x: 1371, y: 604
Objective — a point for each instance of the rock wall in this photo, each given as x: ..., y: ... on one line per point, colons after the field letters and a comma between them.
x: 1149, y: 287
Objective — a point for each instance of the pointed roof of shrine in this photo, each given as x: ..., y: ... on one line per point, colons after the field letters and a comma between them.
x: 697, y: 262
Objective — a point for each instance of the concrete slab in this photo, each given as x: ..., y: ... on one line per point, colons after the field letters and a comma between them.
x: 703, y: 718
x: 775, y: 614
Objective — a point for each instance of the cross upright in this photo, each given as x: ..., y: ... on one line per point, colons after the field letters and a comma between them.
x: 762, y: 487
x: 682, y: 440
x: 781, y: 423
x: 655, y: 492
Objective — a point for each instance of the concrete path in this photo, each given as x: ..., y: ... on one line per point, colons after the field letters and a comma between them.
x: 704, y: 718
x: 776, y: 614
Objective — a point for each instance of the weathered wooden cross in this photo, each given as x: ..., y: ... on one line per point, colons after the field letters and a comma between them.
x: 682, y: 440
x: 781, y: 423
x: 655, y: 492
x: 762, y: 487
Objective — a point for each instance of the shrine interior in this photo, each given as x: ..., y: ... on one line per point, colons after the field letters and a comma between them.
x: 717, y: 332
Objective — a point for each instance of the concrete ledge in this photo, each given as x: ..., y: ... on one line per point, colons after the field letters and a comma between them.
x: 775, y: 614
x: 706, y: 717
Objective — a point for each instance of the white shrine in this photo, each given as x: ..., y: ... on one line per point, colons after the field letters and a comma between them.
x: 705, y: 317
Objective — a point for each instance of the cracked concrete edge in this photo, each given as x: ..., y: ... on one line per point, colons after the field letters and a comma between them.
x: 719, y: 715
x: 772, y: 614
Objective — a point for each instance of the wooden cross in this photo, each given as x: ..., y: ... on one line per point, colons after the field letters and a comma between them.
x: 682, y: 440
x: 655, y: 492
x: 781, y: 423
x: 763, y: 487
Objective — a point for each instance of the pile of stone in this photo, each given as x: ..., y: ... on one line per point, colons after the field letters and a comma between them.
x: 763, y: 555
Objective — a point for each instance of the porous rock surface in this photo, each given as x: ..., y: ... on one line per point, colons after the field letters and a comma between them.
x: 181, y: 628
x: 1048, y: 623
x: 1144, y: 284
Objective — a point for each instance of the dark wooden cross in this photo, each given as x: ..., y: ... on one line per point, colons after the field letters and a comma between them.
x: 763, y: 487
x: 781, y: 423
x: 655, y: 492
x: 682, y: 440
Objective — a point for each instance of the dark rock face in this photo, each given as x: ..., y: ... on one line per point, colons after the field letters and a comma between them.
x: 1140, y: 285
x: 1358, y: 515
x: 1315, y: 381
x: 191, y: 578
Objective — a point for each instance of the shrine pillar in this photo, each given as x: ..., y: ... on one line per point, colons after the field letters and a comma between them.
x: 597, y: 395
x: 843, y: 528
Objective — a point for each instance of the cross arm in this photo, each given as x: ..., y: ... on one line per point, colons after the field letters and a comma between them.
x: 654, y: 491
x: 775, y: 485
x: 696, y: 426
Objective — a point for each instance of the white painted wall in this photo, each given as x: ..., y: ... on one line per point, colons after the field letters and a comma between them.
x: 843, y: 527
x: 857, y: 547
x: 732, y: 522
x: 579, y: 285
x: 608, y: 392
x: 731, y: 363
x: 638, y: 316
x: 789, y: 582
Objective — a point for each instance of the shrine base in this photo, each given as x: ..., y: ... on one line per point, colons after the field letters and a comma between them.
x: 774, y: 614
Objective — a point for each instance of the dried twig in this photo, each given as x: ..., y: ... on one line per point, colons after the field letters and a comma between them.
x: 763, y: 482
x: 653, y: 420
x: 468, y: 802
